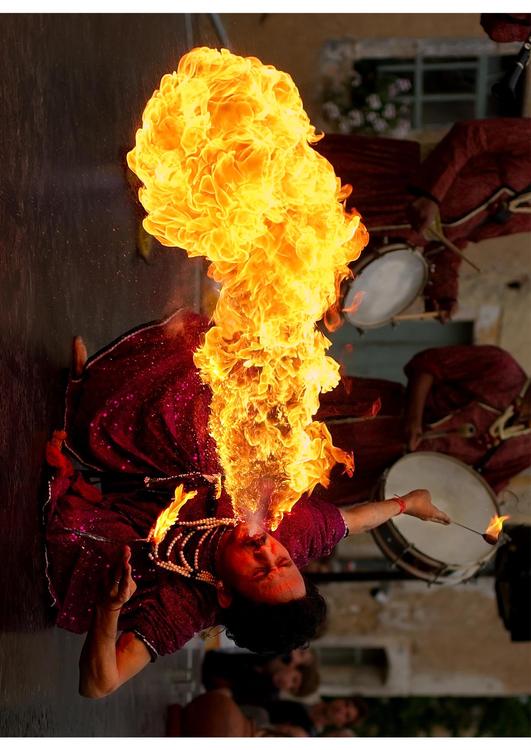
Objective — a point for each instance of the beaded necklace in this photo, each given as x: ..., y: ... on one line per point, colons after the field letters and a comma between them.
x: 189, y: 530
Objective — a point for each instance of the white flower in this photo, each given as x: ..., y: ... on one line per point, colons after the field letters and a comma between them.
x: 404, y: 84
x: 371, y: 117
x: 374, y: 101
x: 356, y: 79
x: 389, y: 111
x: 355, y: 118
x: 344, y: 125
x: 331, y: 110
x: 379, y: 125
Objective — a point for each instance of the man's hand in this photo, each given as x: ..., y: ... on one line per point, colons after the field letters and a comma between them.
x: 445, y: 307
x: 422, y: 213
x: 413, y: 433
x: 120, y: 587
x: 419, y: 505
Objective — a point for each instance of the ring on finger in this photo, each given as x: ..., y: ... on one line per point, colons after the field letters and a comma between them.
x: 117, y: 581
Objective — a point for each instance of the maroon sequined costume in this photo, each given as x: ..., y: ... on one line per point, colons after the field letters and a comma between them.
x: 140, y: 409
x: 472, y: 384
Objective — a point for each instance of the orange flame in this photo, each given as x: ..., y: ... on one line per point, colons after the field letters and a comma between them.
x: 356, y: 302
x: 168, y: 517
x: 495, y: 526
x: 228, y: 171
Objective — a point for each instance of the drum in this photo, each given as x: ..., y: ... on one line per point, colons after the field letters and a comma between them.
x: 387, y: 281
x: 431, y: 551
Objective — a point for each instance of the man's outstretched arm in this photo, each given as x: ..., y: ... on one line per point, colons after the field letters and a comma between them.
x: 417, y: 503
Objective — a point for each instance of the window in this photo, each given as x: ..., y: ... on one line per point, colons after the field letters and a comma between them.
x: 444, y: 90
x: 391, y: 86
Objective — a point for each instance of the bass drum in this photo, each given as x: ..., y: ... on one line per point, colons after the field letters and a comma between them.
x: 386, y: 283
x: 431, y: 551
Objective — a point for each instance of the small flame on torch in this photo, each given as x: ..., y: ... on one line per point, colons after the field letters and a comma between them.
x: 494, y: 529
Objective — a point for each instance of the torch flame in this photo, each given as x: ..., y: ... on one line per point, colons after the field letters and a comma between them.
x: 494, y: 528
x: 228, y: 171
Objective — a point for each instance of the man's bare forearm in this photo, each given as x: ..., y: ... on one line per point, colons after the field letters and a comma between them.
x: 418, y: 390
x: 360, y: 518
x: 416, y: 503
x: 98, y: 668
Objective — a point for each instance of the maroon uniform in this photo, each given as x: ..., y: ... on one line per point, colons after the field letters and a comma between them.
x: 480, y: 175
x: 472, y: 385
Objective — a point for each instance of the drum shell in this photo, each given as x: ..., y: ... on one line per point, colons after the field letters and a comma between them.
x: 409, y: 558
x: 409, y: 255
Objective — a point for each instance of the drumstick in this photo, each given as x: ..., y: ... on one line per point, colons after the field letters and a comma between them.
x: 450, y: 245
x: 466, y: 430
x: 462, y: 525
x: 418, y: 316
x: 489, y: 538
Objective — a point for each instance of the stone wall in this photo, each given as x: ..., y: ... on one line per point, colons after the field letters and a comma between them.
x: 440, y: 640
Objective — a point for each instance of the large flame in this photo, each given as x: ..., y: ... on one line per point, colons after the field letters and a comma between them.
x: 495, y: 526
x: 224, y: 154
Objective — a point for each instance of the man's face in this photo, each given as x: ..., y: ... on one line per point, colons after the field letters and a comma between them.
x: 259, y: 567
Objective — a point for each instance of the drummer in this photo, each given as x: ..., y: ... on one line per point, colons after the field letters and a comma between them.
x: 470, y: 402
x: 478, y: 178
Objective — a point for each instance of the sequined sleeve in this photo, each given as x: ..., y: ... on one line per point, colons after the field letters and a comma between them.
x: 165, y: 617
x: 312, y: 530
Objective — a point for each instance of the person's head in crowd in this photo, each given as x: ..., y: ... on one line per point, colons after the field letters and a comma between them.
x: 295, y: 673
x: 287, y: 679
x: 339, y: 712
x: 310, y: 680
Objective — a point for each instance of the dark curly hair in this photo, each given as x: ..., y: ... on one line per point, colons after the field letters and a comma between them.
x: 274, y: 629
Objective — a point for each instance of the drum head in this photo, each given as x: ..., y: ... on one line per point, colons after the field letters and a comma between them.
x: 457, y: 490
x: 386, y: 286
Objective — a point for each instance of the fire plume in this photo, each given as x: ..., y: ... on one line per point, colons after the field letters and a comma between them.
x: 495, y: 526
x: 228, y: 171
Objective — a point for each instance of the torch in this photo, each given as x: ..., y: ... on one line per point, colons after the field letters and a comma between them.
x: 492, y: 533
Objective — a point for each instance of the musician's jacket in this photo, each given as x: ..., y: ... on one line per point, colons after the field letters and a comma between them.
x: 480, y: 176
x: 473, y: 385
